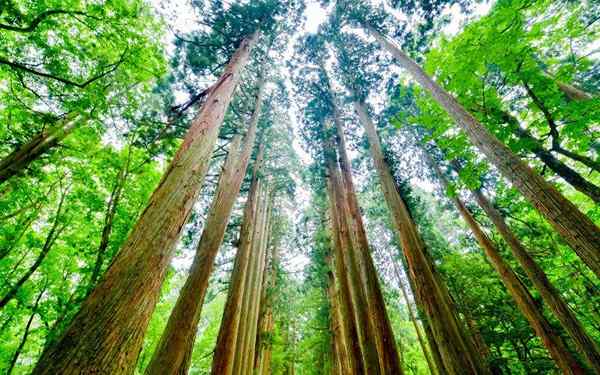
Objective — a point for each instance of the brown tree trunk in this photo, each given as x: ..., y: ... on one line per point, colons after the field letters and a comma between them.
x: 414, y: 321
x: 107, y: 333
x: 174, y: 351
x: 573, y: 92
x: 247, y: 331
x: 551, y: 339
x: 19, y: 160
x: 384, y: 336
x: 225, y: 348
x: 576, y: 228
x: 338, y: 334
x: 255, y: 296
x: 265, y: 335
x: 362, y: 313
x: 455, y: 346
x: 551, y: 296
x: 347, y: 313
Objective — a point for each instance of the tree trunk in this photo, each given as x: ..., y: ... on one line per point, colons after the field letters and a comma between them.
x: 265, y: 335
x: 225, y: 348
x: 551, y: 339
x: 21, y: 345
x: 551, y: 296
x: 362, y: 313
x: 174, y: 351
x: 113, y: 319
x: 350, y: 330
x: 255, y: 296
x: 455, y: 346
x: 339, y: 336
x: 19, y: 160
x: 573, y: 92
x: 384, y: 336
x: 51, y: 237
x: 413, y: 319
x: 576, y: 228
x: 244, y: 355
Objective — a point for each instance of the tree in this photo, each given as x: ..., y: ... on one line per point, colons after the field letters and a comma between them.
x: 576, y: 228
x: 140, y: 280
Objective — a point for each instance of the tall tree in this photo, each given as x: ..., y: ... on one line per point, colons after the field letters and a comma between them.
x: 174, y: 351
x: 136, y: 274
x: 559, y: 351
x: 225, y: 349
x: 574, y: 226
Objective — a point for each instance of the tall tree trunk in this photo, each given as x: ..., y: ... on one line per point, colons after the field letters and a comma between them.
x: 347, y: 313
x: 384, y: 335
x: 551, y: 296
x: 342, y: 362
x: 265, y: 335
x: 576, y: 228
x: 455, y: 346
x: 551, y: 339
x: 414, y: 321
x: 21, y: 345
x: 113, y: 319
x: 19, y: 160
x: 51, y: 237
x: 255, y: 296
x: 174, y: 351
x: 362, y: 313
x: 225, y: 348
x: 244, y: 355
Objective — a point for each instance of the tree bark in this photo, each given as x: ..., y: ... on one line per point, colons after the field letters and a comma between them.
x: 340, y: 346
x: 455, y: 346
x: 573, y: 92
x: 551, y: 296
x: 174, y: 351
x: 19, y: 160
x: 255, y: 296
x: 576, y: 228
x: 225, y: 348
x: 525, y: 302
x: 113, y: 319
x: 362, y: 317
x: 243, y: 355
x: 389, y: 359
x: 266, y: 326
x: 355, y: 358
x: 413, y: 319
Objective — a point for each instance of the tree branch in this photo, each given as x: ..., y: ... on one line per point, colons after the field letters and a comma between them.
x: 39, y: 19
x: 19, y: 66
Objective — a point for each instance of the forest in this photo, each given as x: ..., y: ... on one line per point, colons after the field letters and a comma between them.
x: 299, y: 187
